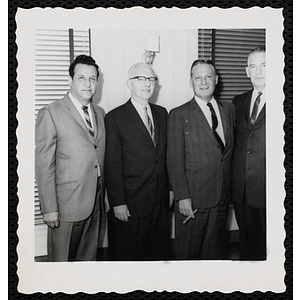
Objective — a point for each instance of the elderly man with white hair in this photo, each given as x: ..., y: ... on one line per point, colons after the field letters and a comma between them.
x: 136, y: 170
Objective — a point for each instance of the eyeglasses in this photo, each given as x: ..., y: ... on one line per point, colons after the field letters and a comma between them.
x: 142, y: 79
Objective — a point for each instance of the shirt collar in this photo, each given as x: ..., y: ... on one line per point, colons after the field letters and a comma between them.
x: 138, y: 105
x: 76, y: 102
x: 255, y: 92
x: 203, y: 102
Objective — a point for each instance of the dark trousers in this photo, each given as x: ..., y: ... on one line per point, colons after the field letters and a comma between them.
x: 202, y: 237
x: 139, y: 239
x: 252, y: 227
x: 76, y: 241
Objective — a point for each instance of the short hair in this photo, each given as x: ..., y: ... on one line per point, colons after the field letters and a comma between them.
x: 202, y: 62
x: 257, y: 50
x: 85, y: 60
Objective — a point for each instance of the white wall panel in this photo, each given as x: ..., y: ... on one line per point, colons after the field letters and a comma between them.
x: 117, y: 50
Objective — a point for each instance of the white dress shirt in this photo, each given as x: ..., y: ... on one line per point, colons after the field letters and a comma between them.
x: 207, y: 113
x: 140, y: 110
x: 261, y: 103
x: 78, y: 106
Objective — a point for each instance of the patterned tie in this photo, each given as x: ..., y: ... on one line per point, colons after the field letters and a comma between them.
x: 215, y: 125
x: 149, y: 125
x: 88, y: 121
x: 255, y: 109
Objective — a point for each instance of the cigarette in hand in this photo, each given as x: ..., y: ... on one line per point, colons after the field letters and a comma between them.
x: 189, y: 217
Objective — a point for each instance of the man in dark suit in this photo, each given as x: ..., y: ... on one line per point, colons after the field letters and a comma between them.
x: 249, y: 160
x: 200, y: 145
x: 70, y: 146
x: 136, y: 172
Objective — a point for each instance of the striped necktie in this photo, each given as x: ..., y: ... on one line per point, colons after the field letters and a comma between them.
x: 255, y: 109
x: 88, y: 121
x: 149, y: 125
x: 215, y: 125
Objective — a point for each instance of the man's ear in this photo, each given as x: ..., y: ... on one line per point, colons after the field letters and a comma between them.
x: 70, y: 80
x: 247, y: 71
x: 216, y: 79
x: 128, y: 83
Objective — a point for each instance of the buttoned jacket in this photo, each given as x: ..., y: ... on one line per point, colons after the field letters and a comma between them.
x: 197, y: 167
x: 67, y: 159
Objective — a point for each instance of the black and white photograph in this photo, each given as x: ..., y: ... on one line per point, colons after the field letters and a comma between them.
x: 148, y: 149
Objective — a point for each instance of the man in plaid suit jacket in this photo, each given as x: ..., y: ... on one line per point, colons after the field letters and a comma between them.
x: 199, y: 165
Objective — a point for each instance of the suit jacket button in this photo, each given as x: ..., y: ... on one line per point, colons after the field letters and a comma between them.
x: 95, y: 166
x: 95, y: 146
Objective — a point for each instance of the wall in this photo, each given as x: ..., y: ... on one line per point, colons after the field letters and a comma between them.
x: 117, y: 50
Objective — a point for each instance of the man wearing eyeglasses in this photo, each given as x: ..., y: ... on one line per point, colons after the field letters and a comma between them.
x: 200, y: 145
x: 136, y: 171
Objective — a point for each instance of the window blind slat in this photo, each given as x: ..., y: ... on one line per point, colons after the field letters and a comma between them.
x: 231, y: 52
x: 204, y: 44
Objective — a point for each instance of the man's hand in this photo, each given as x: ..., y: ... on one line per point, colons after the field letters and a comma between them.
x: 185, y: 208
x: 52, y: 219
x: 122, y: 213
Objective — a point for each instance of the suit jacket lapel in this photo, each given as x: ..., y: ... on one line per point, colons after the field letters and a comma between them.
x: 262, y: 113
x: 136, y: 119
x: 96, y: 123
x: 156, y: 123
x: 99, y: 126
x: 75, y: 114
x: 198, y: 111
x: 224, y: 120
x: 247, y: 104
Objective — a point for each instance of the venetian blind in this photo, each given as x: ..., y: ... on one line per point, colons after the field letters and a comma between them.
x: 205, y: 44
x: 231, y: 49
x: 54, y: 49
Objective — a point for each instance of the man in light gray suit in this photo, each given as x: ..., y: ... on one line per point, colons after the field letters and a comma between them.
x: 70, y: 149
x: 200, y: 145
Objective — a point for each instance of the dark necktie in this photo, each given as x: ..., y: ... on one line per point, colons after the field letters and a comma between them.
x: 215, y: 125
x: 150, y: 126
x: 88, y: 121
x: 255, y: 109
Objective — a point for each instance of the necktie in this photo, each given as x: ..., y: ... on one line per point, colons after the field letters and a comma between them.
x: 215, y: 125
x: 149, y: 125
x: 255, y: 109
x: 88, y: 121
